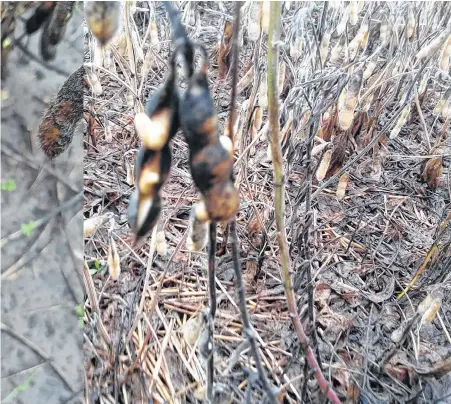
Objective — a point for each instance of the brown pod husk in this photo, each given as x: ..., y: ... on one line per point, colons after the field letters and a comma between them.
x: 153, y: 162
x: 211, y: 160
x: 103, y: 19
x: 55, y: 28
x: 39, y: 16
x: 60, y: 119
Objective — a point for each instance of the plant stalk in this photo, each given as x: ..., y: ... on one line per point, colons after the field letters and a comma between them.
x: 212, y: 303
x: 279, y: 203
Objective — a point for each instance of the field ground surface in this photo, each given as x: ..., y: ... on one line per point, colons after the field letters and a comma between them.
x: 42, y: 285
x: 367, y: 238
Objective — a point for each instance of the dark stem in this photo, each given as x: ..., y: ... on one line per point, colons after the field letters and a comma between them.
x: 247, y: 327
x: 306, y: 230
x: 212, y: 302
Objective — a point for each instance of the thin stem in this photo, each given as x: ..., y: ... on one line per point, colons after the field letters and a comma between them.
x: 306, y: 234
x: 279, y: 203
x: 212, y: 302
x: 234, y: 68
x: 247, y: 327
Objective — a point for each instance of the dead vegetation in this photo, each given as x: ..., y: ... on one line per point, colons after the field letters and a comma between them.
x: 364, y: 92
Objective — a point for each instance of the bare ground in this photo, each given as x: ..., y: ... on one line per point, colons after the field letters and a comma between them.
x: 41, y: 349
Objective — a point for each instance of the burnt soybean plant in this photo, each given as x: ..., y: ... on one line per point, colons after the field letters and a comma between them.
x: 211, y: 161
x: 155, y: 127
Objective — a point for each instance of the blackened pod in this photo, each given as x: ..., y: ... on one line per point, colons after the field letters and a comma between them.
x: 142, y: 223
x: 197, y: 114
x: 60, y: 119
x: 40, y: 15
x: 147, y: 157
x: 166, y: 97
x: 103, y: 19
x: 55, y: 28
x: 210, y: 166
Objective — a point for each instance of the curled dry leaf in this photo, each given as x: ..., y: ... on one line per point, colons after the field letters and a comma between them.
x: 94, y: 83
x: 265, y: 16
x: 263, y: 92
x: 200, y: 393
x: 286, y: 128
x: 353, y: 12
x: 348, y: 101
x: 433, y: 46
x: 410, y: 28
x: 245, y: 81
x: 91, y: 224
x: 319, y: 148
x: 224, y: 48
x: 429, y: 308
x: 254, y: 226
x: 296, y: 48
x: 130, y: 100
x: 385, y: 32
x: 197, y: 229
x: 324, y: 165
x: 400, y: 123
x: 258, y: 117
x: 192, y: 328
x: 344, y: 20
x: 432, y: 170
x: 342, y: 185
x: 114, y: 262
x: 337, y: 51
x: 162, y: 245
x: 325, y: 47
x: 445, y: 57
x: 281, y: 78
x: 153, y: 36
x: 253, y: 25
x: 130, y: 175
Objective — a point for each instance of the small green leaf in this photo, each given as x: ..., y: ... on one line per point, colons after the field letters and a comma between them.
x: 97, y: 264
x: 80, y: 310
x: 9, y: 185
x: 92, y: 271
x: 19, y: 388
x: 28, y: 228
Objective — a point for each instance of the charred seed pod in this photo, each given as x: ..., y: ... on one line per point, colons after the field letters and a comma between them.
x: 103, y: 19
x: 60, y: 119
x: 156, y: 127
x: 211, y: 160
x: 39, y: 17
x: 55, y: 28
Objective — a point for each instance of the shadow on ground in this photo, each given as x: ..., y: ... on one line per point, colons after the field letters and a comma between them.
x: 41, y: 342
